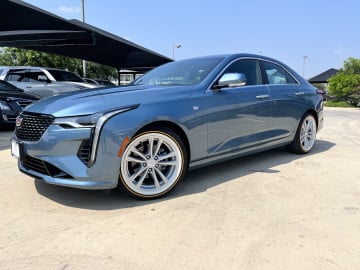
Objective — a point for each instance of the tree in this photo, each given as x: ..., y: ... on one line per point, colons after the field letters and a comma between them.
x: 345, y: 84
x: 21, y: 57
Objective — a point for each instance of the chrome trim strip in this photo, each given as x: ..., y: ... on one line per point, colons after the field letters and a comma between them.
x: 98, y: 127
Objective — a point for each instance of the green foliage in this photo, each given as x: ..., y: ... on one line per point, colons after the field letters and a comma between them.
x: 21, y: 57
x: 351, y: 66
x: 341, y: 104
x: 345, y: 85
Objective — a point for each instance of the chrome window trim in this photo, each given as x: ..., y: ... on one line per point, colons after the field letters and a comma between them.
x: 237, y: 59
x: 251, y: 58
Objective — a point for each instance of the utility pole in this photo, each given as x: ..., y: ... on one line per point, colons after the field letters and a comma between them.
x: 83, y: 19
x: 173, y: 51
x: 305, y: 57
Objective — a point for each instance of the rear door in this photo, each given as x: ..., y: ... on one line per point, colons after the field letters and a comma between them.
x: 287, y: 100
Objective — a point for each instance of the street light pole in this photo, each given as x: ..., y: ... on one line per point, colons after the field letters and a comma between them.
x: 175, y: 46
x: 305, y: 57
x: 83, y: 19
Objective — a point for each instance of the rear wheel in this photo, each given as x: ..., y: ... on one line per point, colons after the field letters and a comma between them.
x: 153, y: 163
x: 305, y: 135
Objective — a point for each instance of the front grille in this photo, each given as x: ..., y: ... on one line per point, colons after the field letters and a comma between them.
x: 11, y: 118
x: 35, y: 164
x: 43, y: 167
x: 33, y: 126
x: 24, y: 103
x: 84, y: 152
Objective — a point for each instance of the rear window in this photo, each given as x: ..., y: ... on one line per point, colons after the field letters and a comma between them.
x: 62, y: 75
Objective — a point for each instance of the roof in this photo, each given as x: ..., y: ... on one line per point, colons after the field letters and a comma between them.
x: 25, y: 26
x: 324, y: 77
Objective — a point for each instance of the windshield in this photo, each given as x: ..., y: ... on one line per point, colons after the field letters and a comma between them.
x: 185, y: 72
x: 5, y: 86
x: 62, y: 75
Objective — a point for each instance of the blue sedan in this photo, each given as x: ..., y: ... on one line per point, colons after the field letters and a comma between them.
x: 179, y: 116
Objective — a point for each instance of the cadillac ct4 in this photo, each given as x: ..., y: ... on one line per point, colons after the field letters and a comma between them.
x: 181, y: 115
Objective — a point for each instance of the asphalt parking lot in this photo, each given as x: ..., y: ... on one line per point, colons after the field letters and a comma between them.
x: 273, y: 210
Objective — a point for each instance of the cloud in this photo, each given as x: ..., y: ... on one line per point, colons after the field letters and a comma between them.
x: 71, y: 10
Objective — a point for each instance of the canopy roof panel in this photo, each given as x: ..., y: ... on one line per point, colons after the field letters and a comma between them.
x: 25, y: 26
x: 324, y: 77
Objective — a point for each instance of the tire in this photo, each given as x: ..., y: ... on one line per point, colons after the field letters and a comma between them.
x: 305, y: 135
x: 153, y: 163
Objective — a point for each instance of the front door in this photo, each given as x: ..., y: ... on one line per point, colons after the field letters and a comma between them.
x: 238, y: 116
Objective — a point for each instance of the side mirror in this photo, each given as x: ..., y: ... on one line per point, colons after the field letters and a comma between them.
x: 231, y: 80
x: 42, y: 78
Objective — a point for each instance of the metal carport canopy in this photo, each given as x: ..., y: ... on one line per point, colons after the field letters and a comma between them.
x: 25, y: 26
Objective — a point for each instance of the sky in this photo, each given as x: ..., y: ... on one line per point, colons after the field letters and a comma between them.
x: 327, y: 32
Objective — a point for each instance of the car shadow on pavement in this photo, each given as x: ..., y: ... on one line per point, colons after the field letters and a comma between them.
x: 196, y: 181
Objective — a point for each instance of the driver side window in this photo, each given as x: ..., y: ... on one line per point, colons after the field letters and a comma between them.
x: 249, y: 67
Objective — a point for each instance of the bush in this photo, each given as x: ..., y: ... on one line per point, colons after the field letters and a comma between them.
x: 345, y: 85
x: 338, y: 103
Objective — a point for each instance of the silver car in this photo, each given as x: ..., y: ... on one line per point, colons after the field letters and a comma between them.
x: 43, y: 81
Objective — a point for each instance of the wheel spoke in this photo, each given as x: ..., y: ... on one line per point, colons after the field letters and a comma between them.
x: 151, y: 146
x: 302, y: 140
x: 170, y: 155
x: 309, y: 125
x: 162, y: 176
x: 138, y: 153
x: 168, y: 163
x: 141, y: 180
x: 135, y: 175
x: 159, y: 143
x: 306, y: 143
x: 133, y: 159
x: 156, y: 181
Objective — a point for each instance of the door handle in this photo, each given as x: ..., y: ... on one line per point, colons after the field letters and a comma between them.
x: 262, y: 96
x: 299, y: 93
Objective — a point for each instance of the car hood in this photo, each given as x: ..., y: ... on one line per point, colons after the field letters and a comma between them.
x: 101, y: 100
x: 17, y: 95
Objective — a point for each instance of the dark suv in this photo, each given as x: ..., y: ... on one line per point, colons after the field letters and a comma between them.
x: 12, y: 101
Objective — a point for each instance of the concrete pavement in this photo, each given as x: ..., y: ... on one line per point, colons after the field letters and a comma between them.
x: 273, y: 210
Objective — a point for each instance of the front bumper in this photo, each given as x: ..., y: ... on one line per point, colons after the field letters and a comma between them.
x: 8, y: 117
x: 55, y: 159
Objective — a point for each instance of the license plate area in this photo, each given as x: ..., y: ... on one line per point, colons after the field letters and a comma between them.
x: 16, y: 149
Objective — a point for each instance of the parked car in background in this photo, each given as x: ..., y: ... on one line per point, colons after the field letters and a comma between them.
x: 43, y: 81
x: 184, y: 114
x: 12, y: 101
x: 105, y: 82
x: 99, y: 82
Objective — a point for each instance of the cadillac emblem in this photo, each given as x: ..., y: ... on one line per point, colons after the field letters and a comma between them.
x: 18, y: 121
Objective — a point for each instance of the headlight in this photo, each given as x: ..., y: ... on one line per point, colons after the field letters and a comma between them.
x: 80, y: 121
x: 95, y: 121
x: 4, y: 106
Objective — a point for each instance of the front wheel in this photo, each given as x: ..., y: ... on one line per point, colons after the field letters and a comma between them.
x: 153, y: 163
x: 305, y: 135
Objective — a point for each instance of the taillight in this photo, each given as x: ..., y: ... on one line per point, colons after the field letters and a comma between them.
x: 319, y: 91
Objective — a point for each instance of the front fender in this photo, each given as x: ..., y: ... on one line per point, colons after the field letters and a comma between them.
x: 131, y: 122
